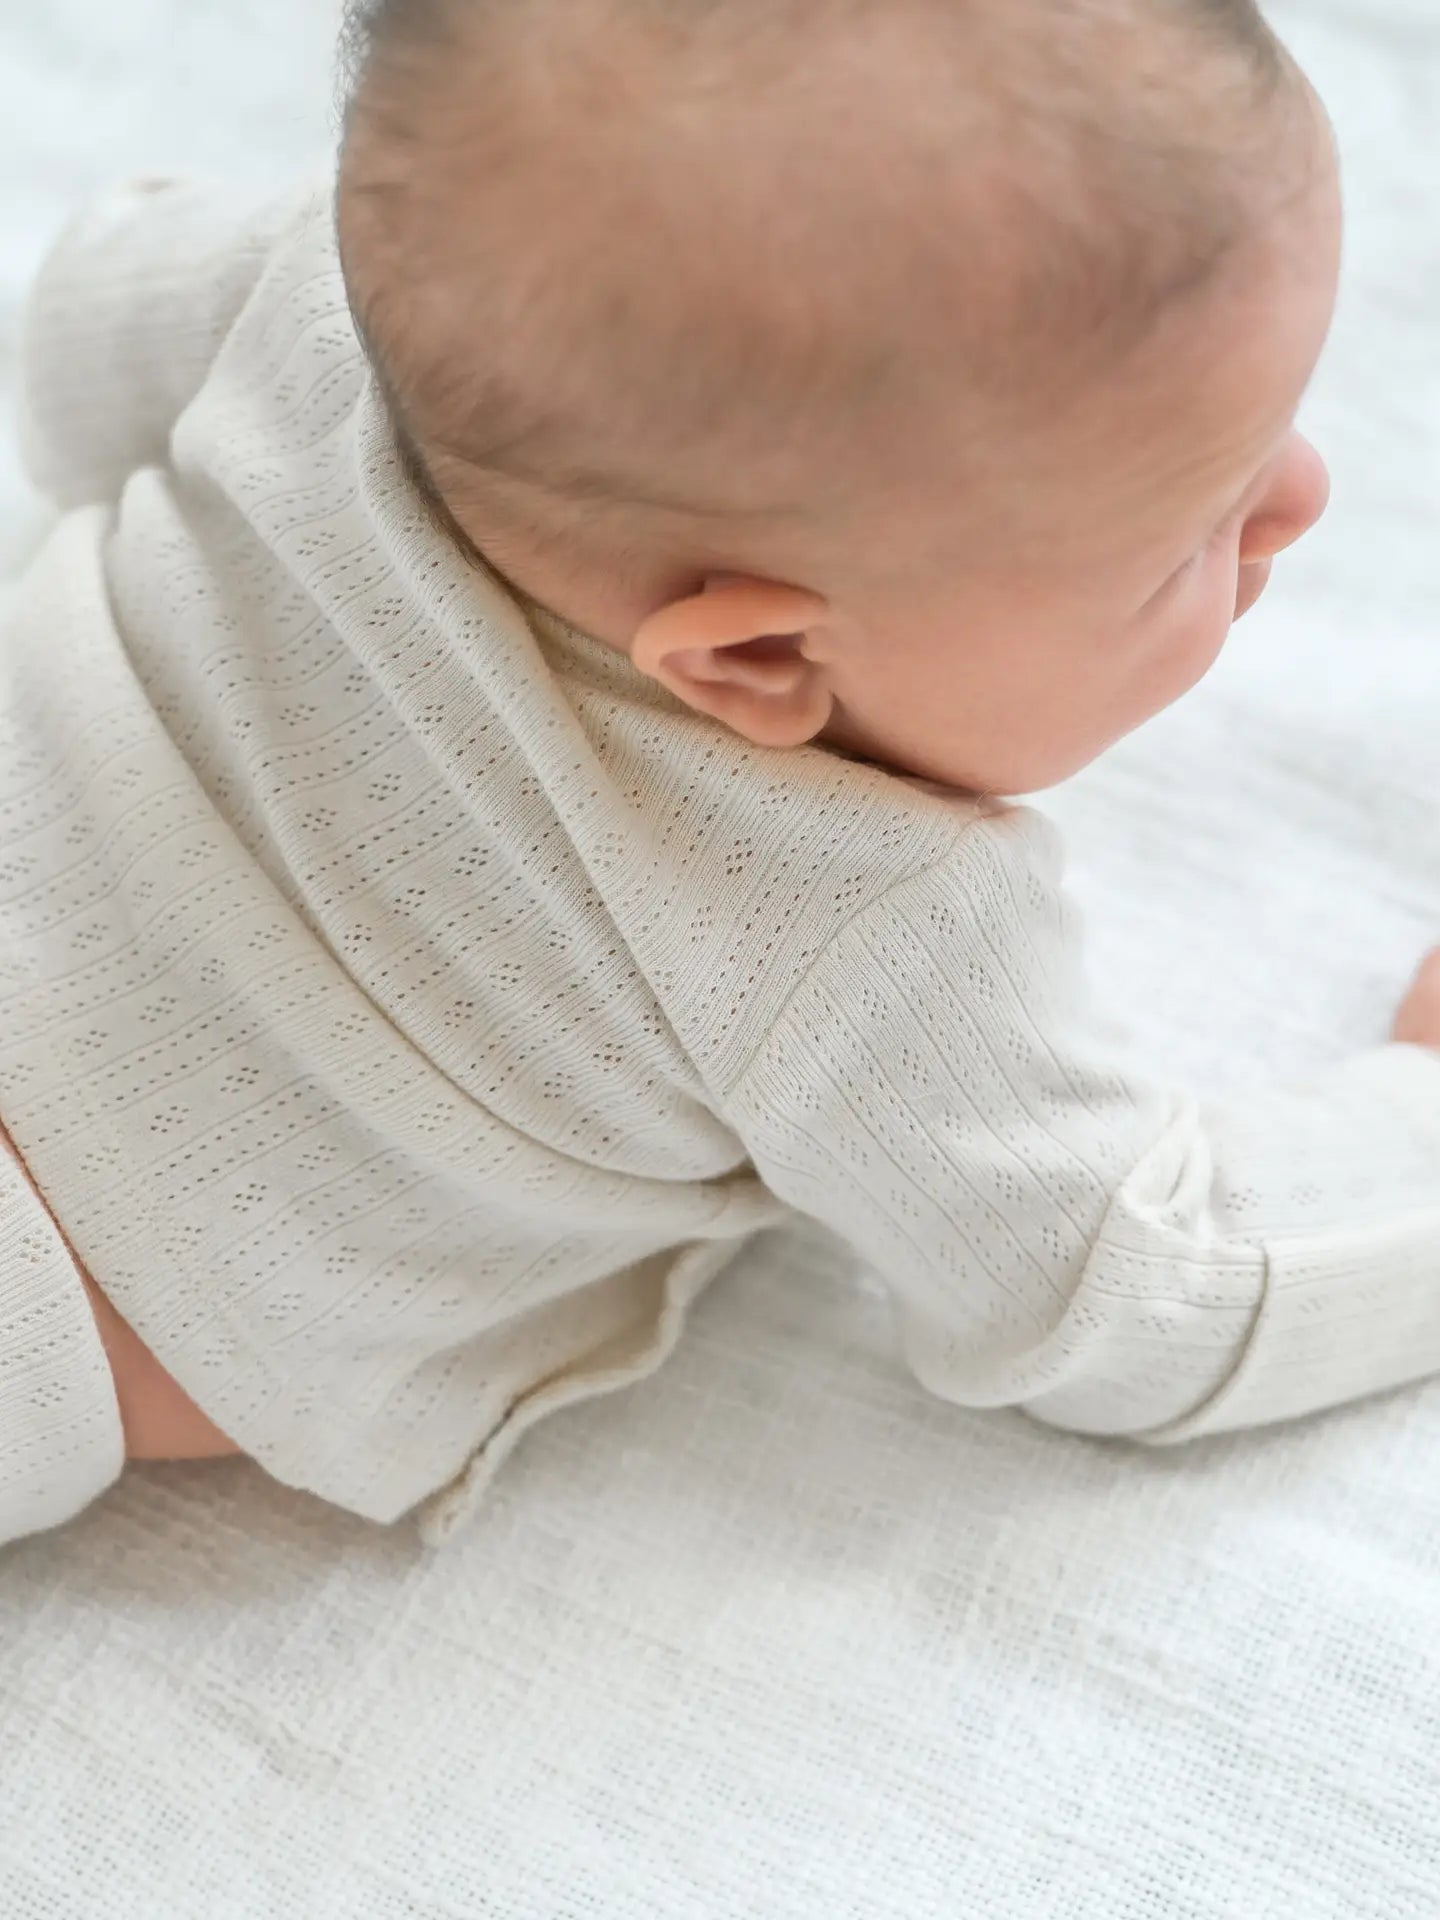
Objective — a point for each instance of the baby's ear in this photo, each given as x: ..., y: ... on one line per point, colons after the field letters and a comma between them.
x: 737, y: 651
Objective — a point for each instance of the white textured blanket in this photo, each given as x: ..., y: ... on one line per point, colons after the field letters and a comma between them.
x: 776, y: 1634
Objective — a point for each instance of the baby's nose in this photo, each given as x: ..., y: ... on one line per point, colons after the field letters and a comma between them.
x: 1296, y: 498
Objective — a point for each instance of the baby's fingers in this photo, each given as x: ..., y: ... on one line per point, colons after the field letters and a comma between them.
x: 1418, y: 1021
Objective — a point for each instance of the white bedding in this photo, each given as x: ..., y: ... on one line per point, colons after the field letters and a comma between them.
x: 776, y: 1634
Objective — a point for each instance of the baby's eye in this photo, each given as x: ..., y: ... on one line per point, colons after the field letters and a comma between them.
x: 1184, y: 572
x: 1187, y: 570
x: 1202, y: 554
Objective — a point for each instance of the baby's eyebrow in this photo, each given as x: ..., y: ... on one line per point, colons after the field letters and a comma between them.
x: 1218, y: 526
x: 1213, y: 528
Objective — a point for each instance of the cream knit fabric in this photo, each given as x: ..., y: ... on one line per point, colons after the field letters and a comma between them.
x: 60, y: 1437
x: 406, y: 1009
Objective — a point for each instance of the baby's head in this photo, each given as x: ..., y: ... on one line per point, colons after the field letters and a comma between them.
x: 915, y: 374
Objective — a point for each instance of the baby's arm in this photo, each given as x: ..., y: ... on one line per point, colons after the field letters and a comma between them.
x: 124, y: 321
x: 164, y: 1423
x: 1060, y: 1234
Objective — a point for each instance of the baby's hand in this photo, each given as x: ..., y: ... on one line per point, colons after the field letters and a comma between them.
x: 1418, y: 1021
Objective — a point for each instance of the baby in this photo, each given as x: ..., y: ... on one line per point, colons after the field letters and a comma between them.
x: 493, y: 818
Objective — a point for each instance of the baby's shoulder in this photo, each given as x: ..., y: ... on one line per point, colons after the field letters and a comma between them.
x: 744, y: 871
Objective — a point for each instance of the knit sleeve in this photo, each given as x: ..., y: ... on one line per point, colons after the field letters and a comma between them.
x: 1059, y: 1234
x: 122, y: 325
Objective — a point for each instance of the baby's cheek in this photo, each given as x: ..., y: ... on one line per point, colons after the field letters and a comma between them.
x: 1252, y: 583
x: 1188, y: 653
x: 1209, y: 626
x: 1211, y: 642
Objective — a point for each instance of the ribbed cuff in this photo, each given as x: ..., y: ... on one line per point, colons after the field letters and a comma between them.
x: 1346, y: 1314
x: 61, y: 1442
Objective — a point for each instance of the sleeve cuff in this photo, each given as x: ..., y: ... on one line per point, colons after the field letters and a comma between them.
x: 61, y: 1441
x: 1344, y: 1314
